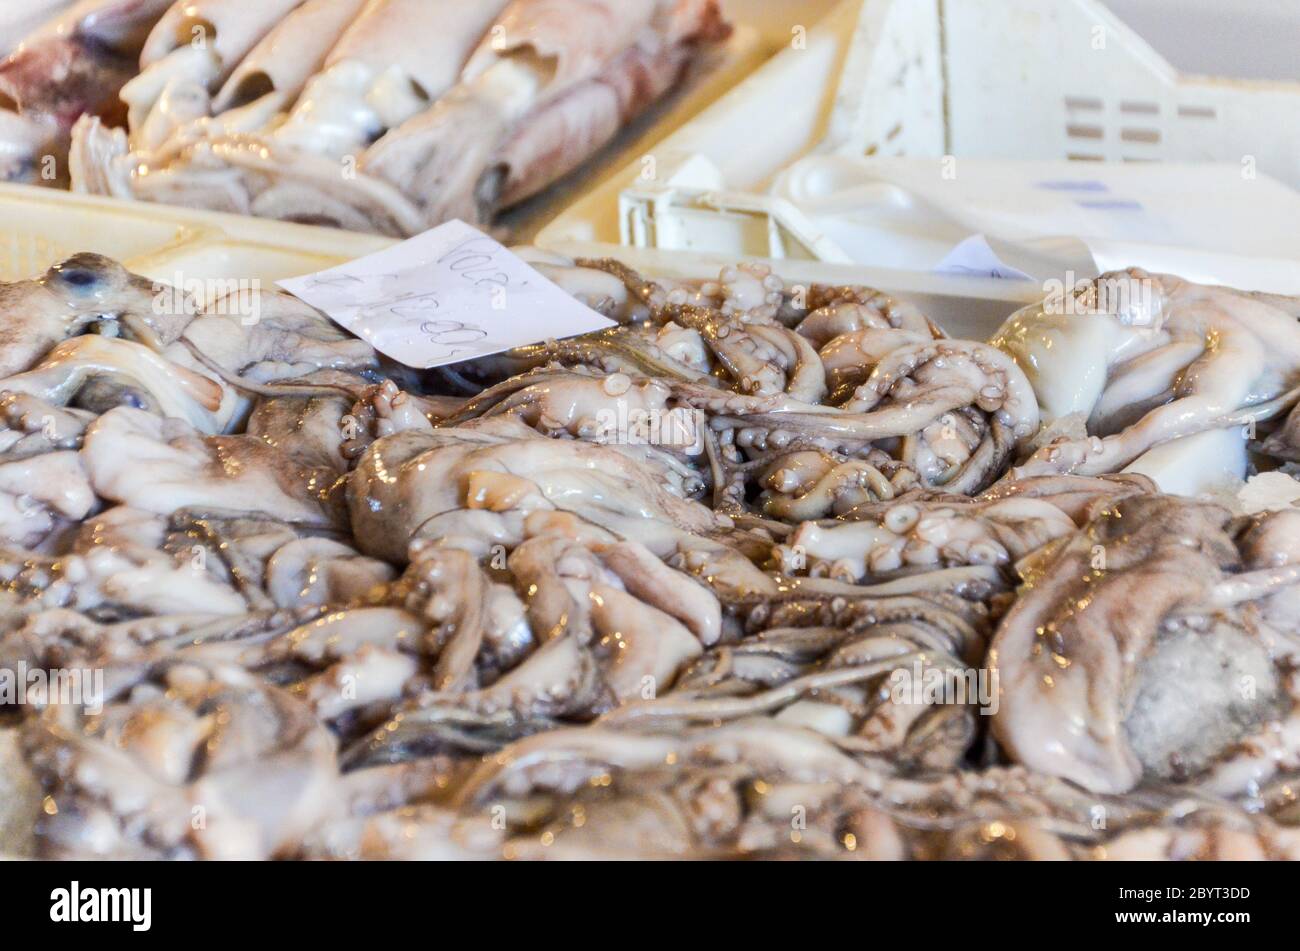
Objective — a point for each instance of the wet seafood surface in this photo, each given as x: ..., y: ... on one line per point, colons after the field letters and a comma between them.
x: 760, y: 572
x: 378, y: 115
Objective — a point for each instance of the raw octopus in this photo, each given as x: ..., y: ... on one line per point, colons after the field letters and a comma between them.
x: 847, y: 606
x: 1192, y: 682
x: 1163, y: 372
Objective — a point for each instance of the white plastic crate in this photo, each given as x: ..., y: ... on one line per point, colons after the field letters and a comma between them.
x: 1012, y: 79
x: 1074, y: 81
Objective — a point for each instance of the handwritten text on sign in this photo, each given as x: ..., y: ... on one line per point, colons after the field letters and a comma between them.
x: 447, y: 295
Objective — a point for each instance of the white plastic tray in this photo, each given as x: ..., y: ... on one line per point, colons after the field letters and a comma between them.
x: 41, y: 226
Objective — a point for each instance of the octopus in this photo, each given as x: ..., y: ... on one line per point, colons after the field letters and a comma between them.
x: 1192, y: 682
x: 85, y: 292
x: 1151, y: 364
x: 757, y: 572
x: 125, y: 779
x: 922, y: 531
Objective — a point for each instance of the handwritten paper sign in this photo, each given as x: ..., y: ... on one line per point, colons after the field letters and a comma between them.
x: 447, y: 295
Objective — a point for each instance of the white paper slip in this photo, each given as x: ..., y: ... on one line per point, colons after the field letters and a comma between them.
x: 976, y: 256
x: 447, y: 295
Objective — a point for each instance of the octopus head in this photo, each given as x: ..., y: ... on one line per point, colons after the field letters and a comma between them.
x: 95, y: 289
x: 85, y: 277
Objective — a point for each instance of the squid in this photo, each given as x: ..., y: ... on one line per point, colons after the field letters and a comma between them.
x: 71, y: 66
x: 169, y: 105
x: 316, y: 89
x: 339, y: 111
x: 192, y: 49
x: 289, y: 55
x: 559, y: 137
x: 537, y: 52
x: 16, y: 23
x: 383, y: 71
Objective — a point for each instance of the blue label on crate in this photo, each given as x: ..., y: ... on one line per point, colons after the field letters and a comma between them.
x: 1111, y: 204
